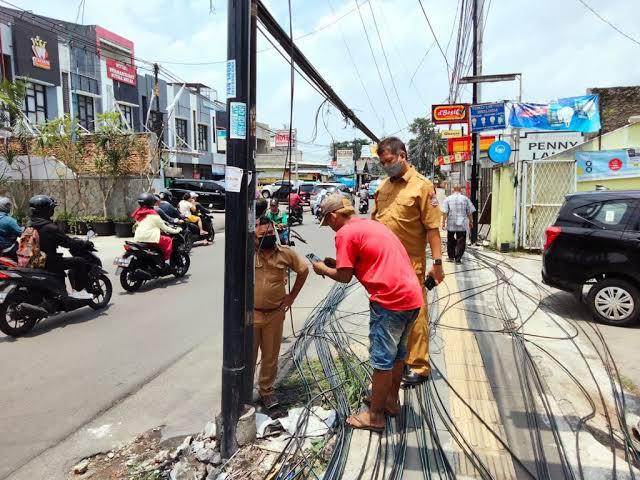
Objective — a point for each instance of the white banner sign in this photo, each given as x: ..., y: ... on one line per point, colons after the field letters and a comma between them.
x: 540, y: 145
x: 344, y: 158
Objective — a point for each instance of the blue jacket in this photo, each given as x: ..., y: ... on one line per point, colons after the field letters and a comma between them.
x: 9, y: 230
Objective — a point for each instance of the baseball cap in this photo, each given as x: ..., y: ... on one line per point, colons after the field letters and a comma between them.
x: 193, y: 195
x: 335, y: 203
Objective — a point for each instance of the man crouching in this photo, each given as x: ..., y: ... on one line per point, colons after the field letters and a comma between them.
x: 371, y: 252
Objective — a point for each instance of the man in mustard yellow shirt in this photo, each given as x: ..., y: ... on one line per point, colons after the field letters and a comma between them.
x: 406, y: 203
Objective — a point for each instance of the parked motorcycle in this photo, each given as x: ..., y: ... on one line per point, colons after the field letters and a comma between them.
x: 363, y: 207
x: 29, y: 295
x: 193, y: 233
x: 142, y: 262
x: 296, y: 216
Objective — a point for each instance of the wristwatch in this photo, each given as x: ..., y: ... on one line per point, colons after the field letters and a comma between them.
x: 437, y: 261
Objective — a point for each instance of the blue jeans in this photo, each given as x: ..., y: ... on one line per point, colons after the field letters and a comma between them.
x: 388, y: 332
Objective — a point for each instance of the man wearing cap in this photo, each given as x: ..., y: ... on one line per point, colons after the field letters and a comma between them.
x: 271, y: 302
x: 369, y: 251
x: 406, y: 202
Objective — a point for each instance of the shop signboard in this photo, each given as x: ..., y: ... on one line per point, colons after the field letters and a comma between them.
x: 447, y: 114
x: 455, y: 158
x: 540, y: 145
x: 608, y: 164
x: 487, y: 116
x: 459, y: 145
x: 221, y: 134
x: 280, y: 139
x: 119, y: 56
x: 36, y: 53
x: 571, y: 114
x: 453, y: 133
x: 344, y: 158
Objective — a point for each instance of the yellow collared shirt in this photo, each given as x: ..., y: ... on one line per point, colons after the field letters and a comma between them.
x: 271, y: 272
x: 408, y: 207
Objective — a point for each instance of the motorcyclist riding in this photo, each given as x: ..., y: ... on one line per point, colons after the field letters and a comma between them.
x: 51, y: 237
x: 150, y: 226
x: 279, y: 219
x: 9, y: 230
x: 166, y: 206
x: 295, y: 203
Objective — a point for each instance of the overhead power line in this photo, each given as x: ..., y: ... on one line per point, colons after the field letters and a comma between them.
x: 274, y: 29
x: 612, y: 25
x: 444, y: 55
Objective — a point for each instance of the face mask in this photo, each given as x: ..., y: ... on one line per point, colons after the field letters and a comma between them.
x: 393, y: 169
x: 268, y: 242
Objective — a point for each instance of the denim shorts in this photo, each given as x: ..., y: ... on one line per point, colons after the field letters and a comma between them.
x: 388, y: 332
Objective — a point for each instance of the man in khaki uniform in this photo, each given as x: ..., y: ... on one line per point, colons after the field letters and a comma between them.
x: 406, y: 203
x: 271, y: 302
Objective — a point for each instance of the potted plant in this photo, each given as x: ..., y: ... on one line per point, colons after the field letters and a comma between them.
x: 124, y: 227
x: 61, y: 219
x: 103, y: 226
x: 77, y: 225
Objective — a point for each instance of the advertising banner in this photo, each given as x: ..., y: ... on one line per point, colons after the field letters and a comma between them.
x: 453, y: 133
x: 119, y: 54
x: 447, y: 114
x: 539, y: 145
x: 121, y: 71
x: 487, y: 116
x: 459, y: 145
x: 344, y: 159
x: 571, y: 114
x: 608, y: 164
x: 280, y: 139
x: 455, y: 158
x: 36, y: 53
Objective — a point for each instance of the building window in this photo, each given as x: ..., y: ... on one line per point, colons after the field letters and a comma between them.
x: 84, y: 111
x: 84, y: 83
x: 35, y: 103
x: 203, y: 136
x: 127, y: 112
x: 181, y: 132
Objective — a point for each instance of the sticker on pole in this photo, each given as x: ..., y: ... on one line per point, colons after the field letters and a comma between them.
x: 233, y: 179
x: 231, y: 78
x: 238, y: 121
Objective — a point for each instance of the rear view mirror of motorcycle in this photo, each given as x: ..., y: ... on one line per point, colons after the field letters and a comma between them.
x: 90, y: 234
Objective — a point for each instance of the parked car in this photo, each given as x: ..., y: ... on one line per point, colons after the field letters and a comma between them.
x: 331, y: 187
x: 595, y: 242
x: 373, y: 186
x: 284, y: 187
x: 304, y: 190
x: 211, y: 194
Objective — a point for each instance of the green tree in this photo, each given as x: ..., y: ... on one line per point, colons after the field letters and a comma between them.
x: 426, y: 145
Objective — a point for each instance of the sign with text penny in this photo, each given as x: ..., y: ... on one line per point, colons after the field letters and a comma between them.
x: 36, y: 53
x: 447, y: 114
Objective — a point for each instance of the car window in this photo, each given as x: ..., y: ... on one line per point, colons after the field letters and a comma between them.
x: 306, y: 188
x: 610, y: 215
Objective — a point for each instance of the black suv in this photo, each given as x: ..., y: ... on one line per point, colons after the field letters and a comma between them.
x: 211, y: 194
x: 596, y: 241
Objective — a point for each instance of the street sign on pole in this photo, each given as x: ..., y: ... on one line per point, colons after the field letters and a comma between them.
x: 487, y: 116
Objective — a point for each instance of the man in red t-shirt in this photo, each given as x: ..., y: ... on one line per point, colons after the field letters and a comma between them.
x: 371, y: 252
x: 294, y: 200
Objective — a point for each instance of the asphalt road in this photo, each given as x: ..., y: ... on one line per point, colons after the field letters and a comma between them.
x: 74, y: 367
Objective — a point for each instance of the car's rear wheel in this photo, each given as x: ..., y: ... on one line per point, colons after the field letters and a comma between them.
x: 615, y: 302
x: 265, y: 194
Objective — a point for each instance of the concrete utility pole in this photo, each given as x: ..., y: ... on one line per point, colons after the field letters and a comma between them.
x: 477, y: 70
x: 236, y: 288
x: 158, y: 119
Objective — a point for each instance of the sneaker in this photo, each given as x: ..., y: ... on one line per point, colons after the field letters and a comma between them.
x: 81, y: 295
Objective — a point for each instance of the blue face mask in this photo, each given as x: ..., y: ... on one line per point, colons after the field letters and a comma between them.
x: 393, y: 169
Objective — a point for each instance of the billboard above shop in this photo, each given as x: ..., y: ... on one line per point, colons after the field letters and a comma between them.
x: 118, y: 53
x: 280, y: 139
x: 608, y: 164
x: 447, y: 114
x: 36, y: 53
x: 539, y: 145
x: 571, y: 114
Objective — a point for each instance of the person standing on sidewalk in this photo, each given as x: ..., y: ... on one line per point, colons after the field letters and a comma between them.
x: 406, y: 202
x: 271, y: 302
x: 457, y: 219
x: 373, y: 254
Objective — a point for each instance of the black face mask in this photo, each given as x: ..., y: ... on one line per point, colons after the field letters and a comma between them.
x: 268, y: 242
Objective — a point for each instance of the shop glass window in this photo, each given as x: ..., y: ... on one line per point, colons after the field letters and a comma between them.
x: 127, y: 112
x: 203, y: 142
x: 35, y: 103
x: 181, y: 132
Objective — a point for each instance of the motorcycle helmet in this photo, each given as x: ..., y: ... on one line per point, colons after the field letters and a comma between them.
x: 42, y: 206
x: 147, y: 199
x: 273, y: 202
x: 5, y: 205
x: 165, y: 195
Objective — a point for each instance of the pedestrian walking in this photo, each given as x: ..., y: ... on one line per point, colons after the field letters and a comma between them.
x: 457, y: 219
x: 406, y: 202
x: 271, y: 302
x: 373, y: 254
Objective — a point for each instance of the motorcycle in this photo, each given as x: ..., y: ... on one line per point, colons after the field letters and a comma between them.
x: 143, y: 262
x: 296, y: 216
x: 29, y: 295
x: 193, y: 233
x: 363, y: 207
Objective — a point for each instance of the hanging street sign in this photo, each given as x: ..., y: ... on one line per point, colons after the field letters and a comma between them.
x: 447, y: 114
x: 500, y: 152
x: 487, y: 116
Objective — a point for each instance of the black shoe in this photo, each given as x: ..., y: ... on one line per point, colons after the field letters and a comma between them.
x: 412, y: 378
x: 459, y: 262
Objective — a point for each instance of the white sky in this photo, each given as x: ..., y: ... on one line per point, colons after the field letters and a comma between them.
x: 559, y: 46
